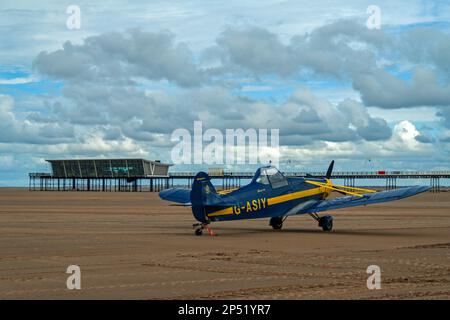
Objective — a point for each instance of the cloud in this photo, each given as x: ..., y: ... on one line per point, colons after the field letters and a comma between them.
x: 371, y: 60
x: 444, y: 114
x: 144, y: 116
x: 404, y: 139
x: 367, y: 127
x: 400, y: 151
x: 127, y: 91
x: 16, y: 130
x: 123, y: 92
x: 103, y: 86
x: 433, y: 48
x: 423, y: 138
x: 348, y: 51
x: 257, y: 50
x: 384, y: 90
x: 338, y: 49
x: 119, y: 56
x: 345, y: 50
x: 18, y: 80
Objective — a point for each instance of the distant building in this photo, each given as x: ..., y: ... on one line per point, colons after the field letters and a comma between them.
x: 216, y: 172
x: 108, y: 168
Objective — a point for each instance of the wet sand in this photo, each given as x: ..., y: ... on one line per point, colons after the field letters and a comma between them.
x: 136, y: 246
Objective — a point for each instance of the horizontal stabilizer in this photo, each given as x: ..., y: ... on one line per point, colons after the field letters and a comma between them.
x: 177, y: 195
x: 183, y: 196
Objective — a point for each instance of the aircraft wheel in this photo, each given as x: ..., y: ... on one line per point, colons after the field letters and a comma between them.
x: 198, y: 232
x: 328, y: 226
x: 326, y: 223
x: 276, y: 223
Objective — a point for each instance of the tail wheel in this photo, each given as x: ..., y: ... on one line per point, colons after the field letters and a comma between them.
x: 276, y: 223
x: 326, y: 223
x: 198, y: 229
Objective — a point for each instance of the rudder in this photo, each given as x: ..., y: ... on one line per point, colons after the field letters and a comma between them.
x: 202, y: 193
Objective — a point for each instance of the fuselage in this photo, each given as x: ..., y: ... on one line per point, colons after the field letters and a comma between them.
x: 262, y: 200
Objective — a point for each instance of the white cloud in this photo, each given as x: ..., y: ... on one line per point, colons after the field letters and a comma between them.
x: 15, y: 129
x: 404, y: 138
x: 19, y: 80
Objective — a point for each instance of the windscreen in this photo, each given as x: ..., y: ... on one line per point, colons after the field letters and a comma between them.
x: 272, y: 176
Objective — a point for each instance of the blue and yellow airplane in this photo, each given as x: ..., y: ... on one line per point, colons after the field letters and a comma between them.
x: 272, y: 195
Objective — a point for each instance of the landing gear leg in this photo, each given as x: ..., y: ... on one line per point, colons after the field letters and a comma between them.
x: 198, y: 229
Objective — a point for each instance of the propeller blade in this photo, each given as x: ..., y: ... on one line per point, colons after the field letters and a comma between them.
x: 330, y: 170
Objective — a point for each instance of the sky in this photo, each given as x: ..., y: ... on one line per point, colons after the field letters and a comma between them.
x: 134, y: 71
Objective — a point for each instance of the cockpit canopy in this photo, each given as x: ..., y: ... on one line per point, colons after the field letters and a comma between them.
x: 270, y: 175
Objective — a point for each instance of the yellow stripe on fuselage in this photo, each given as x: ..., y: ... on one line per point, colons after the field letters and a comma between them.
x: 294, y: 195
x: 222, y: 212
x: 275, y: 200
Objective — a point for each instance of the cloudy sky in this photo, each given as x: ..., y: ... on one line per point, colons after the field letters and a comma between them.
x: 136, y: 70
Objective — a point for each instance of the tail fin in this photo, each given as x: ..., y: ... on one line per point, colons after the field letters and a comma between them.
x: 203, y: 193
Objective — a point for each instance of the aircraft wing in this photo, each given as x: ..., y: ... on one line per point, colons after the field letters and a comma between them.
x: 368, y: 198
x: 177, y: 195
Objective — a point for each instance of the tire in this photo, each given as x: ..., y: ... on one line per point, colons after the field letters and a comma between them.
x: 328, y: 226
x: 326, y: 223
x: 276, y: 223
x: 198, y: 232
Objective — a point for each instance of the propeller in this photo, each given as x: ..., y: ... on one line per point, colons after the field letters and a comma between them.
x: 338, y: 188
x: 327, y: 175
x: 330, y: 170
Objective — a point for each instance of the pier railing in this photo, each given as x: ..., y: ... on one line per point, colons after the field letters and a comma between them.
x: 438, y: 180
x: 336, y: 174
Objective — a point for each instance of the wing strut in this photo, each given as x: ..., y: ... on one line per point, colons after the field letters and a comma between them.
x: 358, y: 192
